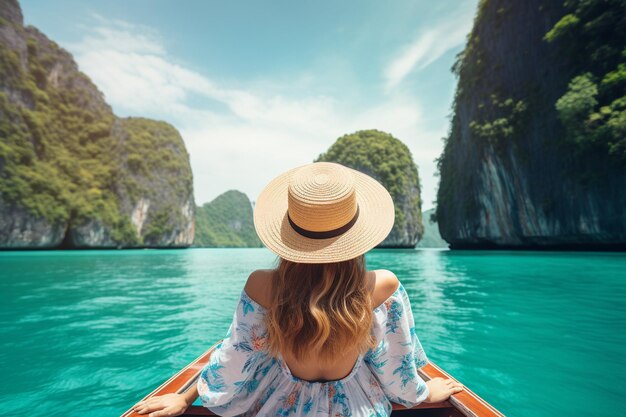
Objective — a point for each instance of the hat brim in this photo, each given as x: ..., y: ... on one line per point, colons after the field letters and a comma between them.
x: 375, y: 221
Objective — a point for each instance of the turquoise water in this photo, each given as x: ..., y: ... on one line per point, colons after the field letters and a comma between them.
x: 91, y: 332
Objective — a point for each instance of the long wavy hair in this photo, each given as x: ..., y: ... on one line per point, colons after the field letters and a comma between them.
x: 320, y: 310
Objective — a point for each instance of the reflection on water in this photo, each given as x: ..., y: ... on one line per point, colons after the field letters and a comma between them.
x: 93, y: 331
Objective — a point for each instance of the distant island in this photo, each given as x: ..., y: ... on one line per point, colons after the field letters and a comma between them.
x: 431, y: 237
x: 226, y: 221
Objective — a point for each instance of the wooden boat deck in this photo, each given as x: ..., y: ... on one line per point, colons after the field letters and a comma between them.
x: 465, y: 403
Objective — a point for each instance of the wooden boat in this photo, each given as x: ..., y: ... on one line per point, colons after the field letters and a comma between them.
x: 465, y: 403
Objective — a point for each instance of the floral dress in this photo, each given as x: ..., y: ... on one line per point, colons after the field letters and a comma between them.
x: 242, y: 379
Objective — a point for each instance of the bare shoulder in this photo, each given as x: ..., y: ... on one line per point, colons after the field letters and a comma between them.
x: 385, y: 284
x: 258, y: 286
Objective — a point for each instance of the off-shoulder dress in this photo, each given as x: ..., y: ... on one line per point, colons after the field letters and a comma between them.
x: 242, y: 379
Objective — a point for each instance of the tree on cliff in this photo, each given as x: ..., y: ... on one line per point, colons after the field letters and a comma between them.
x: 593, y: 109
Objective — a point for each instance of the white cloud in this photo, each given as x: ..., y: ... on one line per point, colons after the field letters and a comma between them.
x: 239, y: 137
x: 430, y: 45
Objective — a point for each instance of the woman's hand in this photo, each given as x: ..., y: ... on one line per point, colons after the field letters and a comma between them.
x: 440, y: 389
x: 167, y: 405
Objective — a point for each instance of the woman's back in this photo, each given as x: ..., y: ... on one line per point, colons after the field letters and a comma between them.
x: 380, y: 283
x: 242, y: 378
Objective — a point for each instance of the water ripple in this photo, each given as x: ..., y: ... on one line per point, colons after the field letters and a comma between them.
x: 105, y: 327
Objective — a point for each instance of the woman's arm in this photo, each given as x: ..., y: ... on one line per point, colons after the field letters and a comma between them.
x: 168, y: 405
x: 440, y: 389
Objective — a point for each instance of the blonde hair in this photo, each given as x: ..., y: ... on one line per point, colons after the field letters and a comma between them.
x: 320, y: 310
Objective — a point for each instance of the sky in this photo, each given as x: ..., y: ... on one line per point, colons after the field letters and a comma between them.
x: 259, y: 87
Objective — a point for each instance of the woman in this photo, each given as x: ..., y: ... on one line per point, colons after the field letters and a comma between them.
x: 319, y: 334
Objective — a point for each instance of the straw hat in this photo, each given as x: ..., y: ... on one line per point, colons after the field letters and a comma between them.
x: 323, y: 212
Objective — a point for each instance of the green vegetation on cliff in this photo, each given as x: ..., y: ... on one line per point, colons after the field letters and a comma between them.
x: 55, y: 151
x: 593, y: 109
x: 590, y: 39
x: 67, y: 159
x: 227, y: 221
x: 590, y: 43
x: 389, y: 161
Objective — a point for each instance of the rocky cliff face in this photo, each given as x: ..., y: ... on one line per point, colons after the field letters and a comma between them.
x: 72, y: 174
x: 227, y: 221
x: 152, y: 185
x: 389, y: 161
x: 511, y: 173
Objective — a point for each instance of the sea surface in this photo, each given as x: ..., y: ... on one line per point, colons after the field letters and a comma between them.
x: 88, y: 333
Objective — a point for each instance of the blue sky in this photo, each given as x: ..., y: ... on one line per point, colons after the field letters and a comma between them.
x: 256, y: 88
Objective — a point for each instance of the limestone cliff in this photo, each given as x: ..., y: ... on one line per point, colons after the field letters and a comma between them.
x: 226, y: 222
x: 72, y: 174
x: 390, y: 162
x: 535, y: 154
